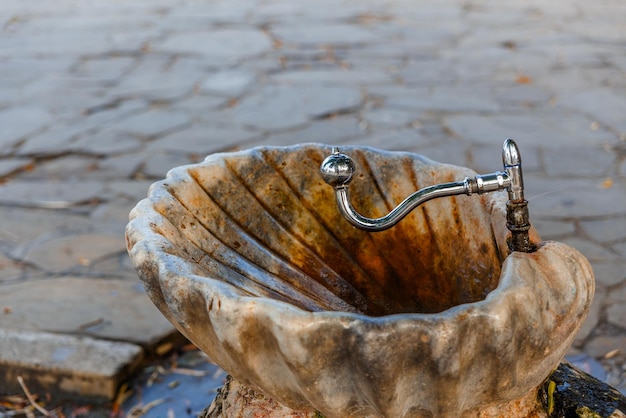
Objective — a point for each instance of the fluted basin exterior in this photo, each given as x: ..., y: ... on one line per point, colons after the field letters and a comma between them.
x: 248, y: 256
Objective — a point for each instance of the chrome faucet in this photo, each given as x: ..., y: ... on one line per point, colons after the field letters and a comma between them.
x: 338, y: 169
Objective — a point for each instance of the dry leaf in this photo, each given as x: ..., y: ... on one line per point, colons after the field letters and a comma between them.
x: 607, y: 183
x: 164, y: 349
x: 612, y: 353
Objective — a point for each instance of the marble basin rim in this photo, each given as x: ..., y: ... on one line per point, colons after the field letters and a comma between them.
x: 247, y: 255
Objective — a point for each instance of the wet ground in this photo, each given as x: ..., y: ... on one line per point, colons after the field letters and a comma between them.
x: 180, y: 385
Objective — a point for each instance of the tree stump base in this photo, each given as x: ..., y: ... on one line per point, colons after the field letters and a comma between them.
x: 567, y: 393
x: 237, y: 400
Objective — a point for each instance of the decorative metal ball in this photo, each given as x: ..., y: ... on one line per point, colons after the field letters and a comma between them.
x: 337, y: 169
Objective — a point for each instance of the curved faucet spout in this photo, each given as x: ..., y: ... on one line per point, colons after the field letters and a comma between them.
x: 467, y: 186
x: 338, y: 170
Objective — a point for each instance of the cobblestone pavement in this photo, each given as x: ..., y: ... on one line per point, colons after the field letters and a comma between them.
x: 100, y: 98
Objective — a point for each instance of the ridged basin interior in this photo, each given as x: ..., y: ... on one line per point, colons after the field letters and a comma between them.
x: 265, y: 222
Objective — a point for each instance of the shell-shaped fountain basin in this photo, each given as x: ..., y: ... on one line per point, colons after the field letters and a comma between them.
x: 248, y: 256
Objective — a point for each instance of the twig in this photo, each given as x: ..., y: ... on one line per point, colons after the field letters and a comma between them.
x: 30, y: 398
x: 91, y: 324
x: 140, y: 410
x: 189, y: 372
x: 123, y: 393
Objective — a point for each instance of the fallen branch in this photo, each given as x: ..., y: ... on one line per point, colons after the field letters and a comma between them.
x: 570, y: 392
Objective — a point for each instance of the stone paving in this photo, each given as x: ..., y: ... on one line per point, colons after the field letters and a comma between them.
x: 98, y: 99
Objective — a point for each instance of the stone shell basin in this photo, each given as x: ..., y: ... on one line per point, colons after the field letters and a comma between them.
x: 248, y: 256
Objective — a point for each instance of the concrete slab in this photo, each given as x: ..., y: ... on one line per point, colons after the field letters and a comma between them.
x: 20, y: 121
x: 111, y: 309
x: 10, y: 269
x: 65, y: 365
x: 221, y: 45
x: 62, y: 254
x: 50, y: 194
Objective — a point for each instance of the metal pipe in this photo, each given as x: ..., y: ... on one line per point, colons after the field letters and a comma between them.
x: 400, y: 211
x: 517, y: 217
x: 337, y: 170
